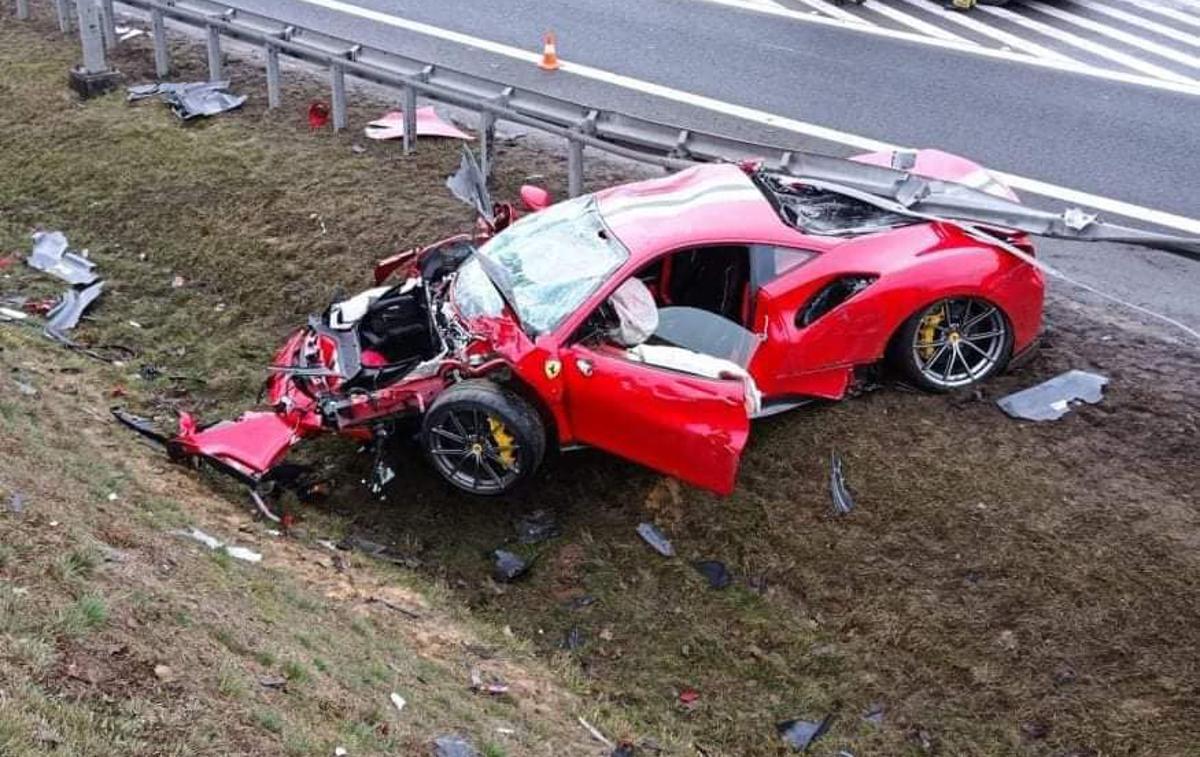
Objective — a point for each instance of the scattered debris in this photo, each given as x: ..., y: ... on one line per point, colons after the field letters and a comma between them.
x: 16, y: 503
x: 429, y: 124
x: 357, y: 149
x: 178, y: 282
x: 800, y: 734
x: 538, y: 526
x: 578, y: 603
x: 1035, y: 730
x: 8, y: 314
x: 377, y: 550
x: 190, y: 100
x: 574, y: 639
x: 843, y: 503
x: 624, y: 749
x: 340, y: 752
x: 51, y: 254
x: 453, y: 746
x: 241, y: 553
x: 389, y: 604
x: 318, y: 115
x: 126, y: 33
x: 164, y: 673
x: 689, y: 698
x: 715, y: 572
x: 272, y: 682
x: 595, y: 733
x: 1053, y: 399
x: 652, y: 536
x: 508, y: 567
x: 874, y: 714
x: 398, y: 701
x: 66, y: 314
x: 495, y: 688
x: 29, y: 390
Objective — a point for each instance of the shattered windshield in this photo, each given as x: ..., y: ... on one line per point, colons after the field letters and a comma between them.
x: 549, y: 262
x: 474, y: 294
x: 820, y: 211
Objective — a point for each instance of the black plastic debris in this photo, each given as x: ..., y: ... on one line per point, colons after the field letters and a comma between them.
x: 624, y: 749
x: 190, y: 100
x: 652, y: 536
x: 377, y: 551
x: 715, y: 572
x: 453, y: 746
x: 843, y: 503
x: 874, y: 714
x: 800, y: 734
x: 573, y: 639
x: 51, y: 254
x: 578, y: 603
x: 66, y: 314
x: 536, y: 527
x: 1053, y: 399
x: 507, y: 566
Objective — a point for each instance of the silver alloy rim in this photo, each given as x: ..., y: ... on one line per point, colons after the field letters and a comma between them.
x: 959, y: 342
x: 465, y: 449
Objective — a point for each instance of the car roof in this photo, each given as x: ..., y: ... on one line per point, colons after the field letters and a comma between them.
x: 710, y: 203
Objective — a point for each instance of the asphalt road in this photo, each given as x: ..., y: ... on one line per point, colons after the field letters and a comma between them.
x: 1124, y: 141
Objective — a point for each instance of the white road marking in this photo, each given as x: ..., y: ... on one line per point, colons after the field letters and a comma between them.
x: 1175, y: 84
x: 1156, y: 6
x: 967, y: 21
x: 1135, y: 20
x: 832, y: 10
x: 1120, y: 35
x: 1035, y: 186
x: 913, y: 22
x: 1094, y: 48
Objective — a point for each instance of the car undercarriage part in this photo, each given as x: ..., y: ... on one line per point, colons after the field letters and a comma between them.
x: 1053, y: 399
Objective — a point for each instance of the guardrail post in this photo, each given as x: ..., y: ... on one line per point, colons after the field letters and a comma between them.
x: 110, y: 23
x: 575, y: 155
x: 487, y: 133
x: 162, y: 55
x: 337, y: 80
x: 63, y: 9
x: 94, y: 77
x: 214, y: 53
x: 22, y: 10
x: 274, y: 88
x: 410, y: 120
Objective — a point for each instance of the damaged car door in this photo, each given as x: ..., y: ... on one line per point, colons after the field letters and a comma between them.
x: 635, y: 393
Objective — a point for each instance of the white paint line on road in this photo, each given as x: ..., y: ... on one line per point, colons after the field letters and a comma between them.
x: 820, y: 6
x: 1120, y: 35
x: 1094, y: 48
x: 1035, y: 186
x: 1135, y: 20
x: 913, y: 22
x: 1175, y: 83
x: 967, y: 21
x: 1156, y: 6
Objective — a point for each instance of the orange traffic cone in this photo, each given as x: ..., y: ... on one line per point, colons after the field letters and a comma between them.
x: 549, y: 53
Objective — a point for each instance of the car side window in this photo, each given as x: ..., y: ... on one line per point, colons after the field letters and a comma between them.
x: 768, y: 262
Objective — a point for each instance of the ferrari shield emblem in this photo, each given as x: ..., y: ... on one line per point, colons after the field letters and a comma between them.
x: 553, y: 368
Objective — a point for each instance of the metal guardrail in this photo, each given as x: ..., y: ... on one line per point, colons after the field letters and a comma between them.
x: 581, y: 126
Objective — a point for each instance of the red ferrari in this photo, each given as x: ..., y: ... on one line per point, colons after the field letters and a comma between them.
x: 655, y: 320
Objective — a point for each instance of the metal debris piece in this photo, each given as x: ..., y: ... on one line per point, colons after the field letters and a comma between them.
x: 538, y: 526
x: 715, y: 572
x: 843, y: 503
x: 800, y: 734
x: 8, y: 314
x: 574, y: 639
x: 469, y: 185
x: 213, y: 543
x: 272, y: 682
x: 874, y: 714
x: 578, y: 603
x: 190, y: 100
x: 66, y: 314
x: 595, y: 732
x: 453, y: 746
x: 495, y: 688
x: 508, y: 567
x: 51, y: 254
x: 27, y: 389
x: 397, y: 701
x: 1053, y: 399
x: 652, y: 536
x: 429, y: 124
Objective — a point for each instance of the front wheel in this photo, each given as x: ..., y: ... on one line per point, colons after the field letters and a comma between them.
x: 952, y: 344
x: 482, y: 438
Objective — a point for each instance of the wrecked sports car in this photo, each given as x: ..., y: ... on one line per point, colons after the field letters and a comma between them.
x: 654, y: 320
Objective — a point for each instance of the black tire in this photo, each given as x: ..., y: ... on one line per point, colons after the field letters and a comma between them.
x: 922, y: 363
x: 467, y: 448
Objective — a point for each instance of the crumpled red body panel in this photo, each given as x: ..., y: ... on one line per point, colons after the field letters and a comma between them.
x: 253, y: 444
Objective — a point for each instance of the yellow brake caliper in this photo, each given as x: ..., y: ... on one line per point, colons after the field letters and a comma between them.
x: 505, y: 442
x: 927, y: 332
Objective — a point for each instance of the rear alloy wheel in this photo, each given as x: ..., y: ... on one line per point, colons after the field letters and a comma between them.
x: 482, y: 438
x: 953, y: 343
